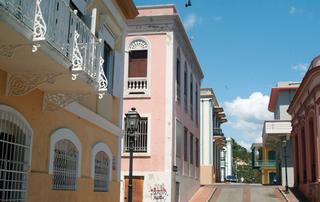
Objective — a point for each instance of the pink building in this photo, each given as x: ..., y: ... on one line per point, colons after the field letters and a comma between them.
x: 305, y: 111
x: 162, y: 80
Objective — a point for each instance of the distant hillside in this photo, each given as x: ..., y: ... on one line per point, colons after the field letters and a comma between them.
x: 242, y: 164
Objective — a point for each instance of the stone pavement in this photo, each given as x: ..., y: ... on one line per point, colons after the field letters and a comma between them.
x: 246, y: 193
x: 203, y: 194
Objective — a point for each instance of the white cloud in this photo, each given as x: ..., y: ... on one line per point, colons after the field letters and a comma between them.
x: 302, y: 68
x: 191, y: 21
x: 292, y: 10
x: 248, y: 115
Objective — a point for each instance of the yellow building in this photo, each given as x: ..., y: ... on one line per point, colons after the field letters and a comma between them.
x: 264, y: 159
x: 61, y: 82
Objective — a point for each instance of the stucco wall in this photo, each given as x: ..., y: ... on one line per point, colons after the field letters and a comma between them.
x: 152, y: 106
x: 44, y: 123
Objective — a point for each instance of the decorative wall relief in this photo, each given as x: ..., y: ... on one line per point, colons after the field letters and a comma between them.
x: 19, y: 84
x: 158, y: 192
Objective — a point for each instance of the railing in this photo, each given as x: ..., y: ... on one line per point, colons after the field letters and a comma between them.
x: 265, y: 163
x: 217, y: 132
x: 137, y: 85
x: 140, y: 144
x: 54, y: 22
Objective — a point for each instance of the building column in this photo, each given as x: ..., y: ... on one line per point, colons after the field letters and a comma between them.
x: 308, y: 151
x: 317, y: 141
x: 300, y: 149
x: 295, y: 158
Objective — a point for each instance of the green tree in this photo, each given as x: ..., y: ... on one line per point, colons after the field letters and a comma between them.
x: 242, y: 165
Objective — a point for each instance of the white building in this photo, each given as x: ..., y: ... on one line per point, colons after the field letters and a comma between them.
x: 211, y: 136
x: 226, y: 160
x: 276, y: 133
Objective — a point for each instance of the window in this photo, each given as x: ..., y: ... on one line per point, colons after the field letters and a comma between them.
x: 108, y: 66
x: 178, y: 138
x: 197, y: 104
x: 185, y: 87
x: 102, y: 161
x: 191, y: 96
x: 191, y: 148
x: 141, y: 137
x: 65, y: 165
x: 15, y: 146
x: 197, y: 153
x: 137, y: 69
x: 138, y: 63
x: 178, y: 77
x: 185, y: 144
x: 65, y: 159
x: 101, y: 172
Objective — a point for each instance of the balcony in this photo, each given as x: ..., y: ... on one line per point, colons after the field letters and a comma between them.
x: 47, y: 39
x: 275, y: 130
x: 217, y: 132
x: 265, y: 163
x: 137, y: 86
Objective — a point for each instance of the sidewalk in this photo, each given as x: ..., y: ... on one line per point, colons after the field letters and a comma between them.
x: 203, y: 194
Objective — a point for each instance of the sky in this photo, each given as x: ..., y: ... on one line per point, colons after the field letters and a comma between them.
x: 245, y: 47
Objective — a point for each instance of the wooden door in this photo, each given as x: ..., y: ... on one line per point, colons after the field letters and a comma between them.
x: 137, y: 189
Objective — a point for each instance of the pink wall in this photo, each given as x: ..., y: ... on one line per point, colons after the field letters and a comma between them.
x: 154, y: 105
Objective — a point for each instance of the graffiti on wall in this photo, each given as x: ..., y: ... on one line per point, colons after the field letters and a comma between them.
x: 158, y: 192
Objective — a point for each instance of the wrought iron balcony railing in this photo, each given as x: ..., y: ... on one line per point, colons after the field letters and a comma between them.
x: 217, y: 132
x: 54, y: 22
x: 265, y: 163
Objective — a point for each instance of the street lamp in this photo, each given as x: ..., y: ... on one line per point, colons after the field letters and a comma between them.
x: 285, y: 163
x: 132, y: 122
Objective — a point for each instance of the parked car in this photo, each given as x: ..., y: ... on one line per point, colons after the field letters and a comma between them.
x: 231, y: 178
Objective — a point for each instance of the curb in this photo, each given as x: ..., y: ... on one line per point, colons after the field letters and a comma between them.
x: 212, y: 193
x: 283, y: 194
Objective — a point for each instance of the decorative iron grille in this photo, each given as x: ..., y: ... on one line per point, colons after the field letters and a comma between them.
x: 65, y: 166
x: 101, y: 172
x: 140, y: 144
x: 15, y: 142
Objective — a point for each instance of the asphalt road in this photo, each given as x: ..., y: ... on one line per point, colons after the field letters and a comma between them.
x: 246, y: 193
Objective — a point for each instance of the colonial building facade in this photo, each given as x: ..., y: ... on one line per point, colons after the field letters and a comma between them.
x: 212, y: 139
x: 305, y: 112
x: 60, y: 99
x: 276, y: 133
x: 162, y: 81
x: 264, y: 160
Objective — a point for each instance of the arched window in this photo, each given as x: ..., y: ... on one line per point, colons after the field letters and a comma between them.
x: 138, y: 68
x: 101, y: 167
x: 65, y: 156
x: 65, y: 165
x: 15, y: 154
x: 101, y: 172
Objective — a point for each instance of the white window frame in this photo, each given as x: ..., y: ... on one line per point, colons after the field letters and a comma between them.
x: 100, y: 146
x: 149, y: 136
x: 26, y: 128
x: 24, y: 120
x: 126, y: 66
x: 60, y: 134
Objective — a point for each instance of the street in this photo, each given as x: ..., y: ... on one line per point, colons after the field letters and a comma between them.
x: 246, y: 193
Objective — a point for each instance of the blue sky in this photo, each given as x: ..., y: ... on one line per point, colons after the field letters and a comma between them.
x: 245, y: 47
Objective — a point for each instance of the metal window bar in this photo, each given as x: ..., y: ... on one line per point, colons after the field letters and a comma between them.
x: 101, y: 172
x: 65, y: 166
x: 15, y: 141
x: 141, y: 138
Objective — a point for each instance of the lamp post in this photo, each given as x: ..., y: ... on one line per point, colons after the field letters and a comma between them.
x: 286, y: 163
x: 132, y: 122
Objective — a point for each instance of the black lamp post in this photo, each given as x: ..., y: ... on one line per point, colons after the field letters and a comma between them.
x: 132, y: 122
x: 286, y: 164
